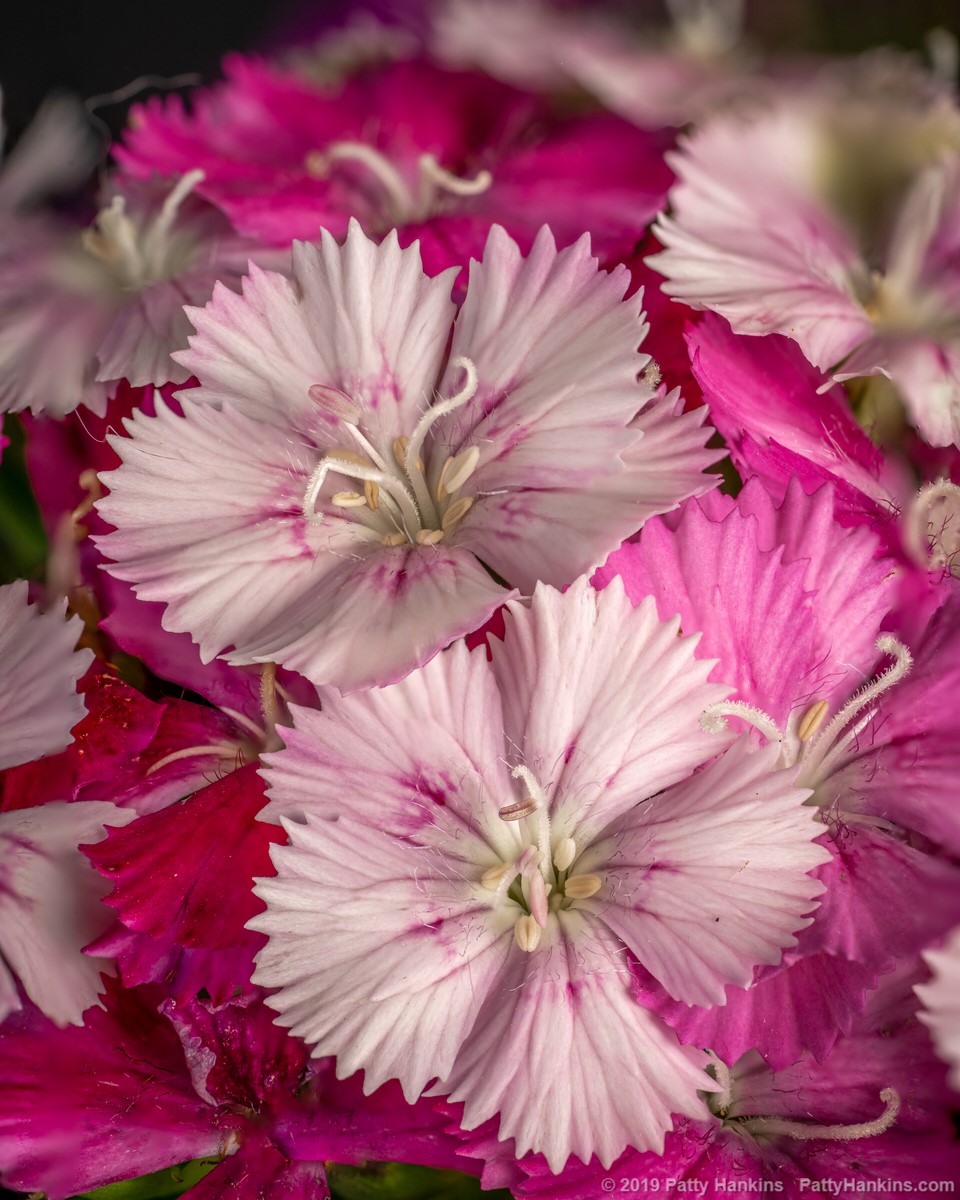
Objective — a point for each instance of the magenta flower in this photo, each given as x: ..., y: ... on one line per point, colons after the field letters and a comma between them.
x: 137, y: 1090
x: 793, y: 606
x: 779, y: 424
x: 788, y: 221
x: 439, y: 155
x: 477, y: 852
x: 340, y: 486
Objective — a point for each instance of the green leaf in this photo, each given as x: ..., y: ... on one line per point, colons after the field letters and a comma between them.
x: 23, y: 543
x: 161, y: 1185
x: 401, y: 1181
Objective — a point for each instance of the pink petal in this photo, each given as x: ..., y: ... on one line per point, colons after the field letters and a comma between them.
x: 38, y: 676
x: 763, y: 392
x: 172, y: 916
x: 805, y: 1005
x: 380, y: 955
x: 710, y: 879
x: 856, y: 920
x: 359, y: 317
x: 80, y: 1108
x: 403, y: 757
x: 601, y: 701
x: 904, y: 766
x: 751, y: 238
x: 549, y: 1048
x: 555, y: 347
x: 788, y: 601
x: 51, y: 901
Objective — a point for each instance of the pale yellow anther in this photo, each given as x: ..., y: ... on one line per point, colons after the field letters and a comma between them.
x: 371, y: 492
x: 456, y: 512
x: 348, y: 500
x: 811, y: 720
x: 516, y: 812
x: 565, y: 853
x: 491, y: 878
x: 429, y: 537
x: 582, y: 887
x: 400, y: 445
x: 393, y: 539
x: 526, y: 933
x: 461, y: 468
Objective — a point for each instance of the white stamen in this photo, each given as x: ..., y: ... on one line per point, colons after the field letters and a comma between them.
x: 371, y: 494
x: 428, y: 537
x: 932, y: 526
x: 903, y: 660
x: 527, y: 932
x: 712, y: 718
x: 220, y: 749
x: 394, y: 539
x: 565, y: 853
x: 582, y: 887
x: 400, y: 202
x: 828, y: 1133
x: 460, y: 468
x: 812, y: 719
x: 335, y: 403
x: 438, y: 410
x: 158, y: 232
x: 348, y: 500
x: 439, y: 178
x: 344, y: 466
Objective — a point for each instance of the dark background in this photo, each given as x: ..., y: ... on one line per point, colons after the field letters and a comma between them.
x: 93, y: 47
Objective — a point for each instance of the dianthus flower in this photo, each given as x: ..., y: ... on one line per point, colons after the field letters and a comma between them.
x: 793, y: 606
x: 341, y: 484
x: 832, y: 215
x: 82, y: 309
x: 477, y: 853
x: 439, y: 155
x: 150, y: 1083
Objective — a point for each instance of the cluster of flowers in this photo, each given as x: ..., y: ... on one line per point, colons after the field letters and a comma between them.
x: 437, y: 766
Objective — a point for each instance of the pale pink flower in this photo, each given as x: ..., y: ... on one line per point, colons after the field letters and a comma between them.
x: 82, y: 309
x: 342, y: 486
x: 941, y: 1003
x: 50, y: 907
x: 478, y: 852
x: 832, y: 217
x: 652, y: 76
x: 39, y: 670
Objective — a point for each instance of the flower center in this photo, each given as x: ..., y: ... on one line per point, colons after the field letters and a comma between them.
x: 141, y: 254
x: 396, y: 506
x: 405, y: 203
x: 541, y: 879
x: 807, y: 742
